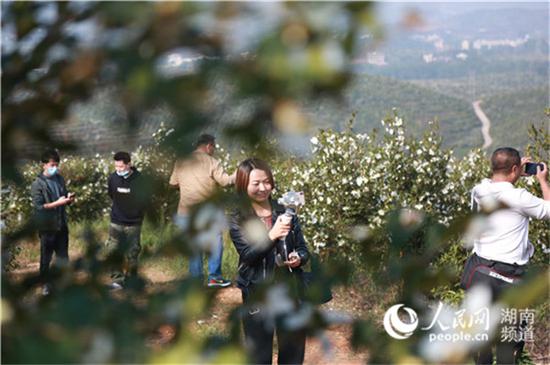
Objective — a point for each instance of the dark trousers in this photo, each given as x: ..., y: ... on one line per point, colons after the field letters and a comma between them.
x: 506, y: 352
x: 258, y: 333
x: 50, y: 242
x: 126, y: 241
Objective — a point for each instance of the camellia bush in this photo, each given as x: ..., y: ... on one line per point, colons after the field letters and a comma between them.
x: 351, y: 181
x: 354, y: 180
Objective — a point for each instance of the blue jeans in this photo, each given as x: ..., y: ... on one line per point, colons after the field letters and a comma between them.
x: 214, y: 258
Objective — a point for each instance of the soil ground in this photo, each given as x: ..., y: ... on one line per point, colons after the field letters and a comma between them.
x: 333, y: 348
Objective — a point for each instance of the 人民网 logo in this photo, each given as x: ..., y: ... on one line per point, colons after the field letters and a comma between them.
x: 397, y: 328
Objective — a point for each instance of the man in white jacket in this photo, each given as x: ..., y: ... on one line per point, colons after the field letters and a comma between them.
x: 502, y: 251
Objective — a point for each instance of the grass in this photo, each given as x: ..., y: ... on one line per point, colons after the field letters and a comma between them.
x: 152, y: 237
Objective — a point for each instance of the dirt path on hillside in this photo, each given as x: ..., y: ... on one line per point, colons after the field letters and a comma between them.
x: 333, y: 348
x: 485, y: 124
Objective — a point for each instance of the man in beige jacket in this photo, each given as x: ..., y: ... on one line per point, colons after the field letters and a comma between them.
x: 197, y: 178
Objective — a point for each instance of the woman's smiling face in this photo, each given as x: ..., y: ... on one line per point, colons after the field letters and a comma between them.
x: 259, y: 186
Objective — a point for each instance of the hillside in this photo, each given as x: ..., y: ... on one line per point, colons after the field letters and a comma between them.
x: 512, y: 102
x: 512, y: 113
x: 374, y: 97
x: 481, y: 86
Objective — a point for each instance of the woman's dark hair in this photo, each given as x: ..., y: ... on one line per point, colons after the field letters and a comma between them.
x: 50, y: 155
x: 243, y: 173
x: 122, y: 156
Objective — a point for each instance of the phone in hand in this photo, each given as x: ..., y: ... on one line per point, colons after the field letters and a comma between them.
x: 286, y: 218
x: 531, y: 168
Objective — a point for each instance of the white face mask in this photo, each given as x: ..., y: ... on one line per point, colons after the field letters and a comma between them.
x: 123, y: 173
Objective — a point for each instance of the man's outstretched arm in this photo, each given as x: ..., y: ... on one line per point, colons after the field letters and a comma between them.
x: 542, y: 177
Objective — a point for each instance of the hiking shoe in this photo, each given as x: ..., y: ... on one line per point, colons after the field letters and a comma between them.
x: 115, y: 287
x: 46, y: 290
x: 218, y: 283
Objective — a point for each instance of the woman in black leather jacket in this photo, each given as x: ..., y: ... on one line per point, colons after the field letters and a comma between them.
x: 256, y: 231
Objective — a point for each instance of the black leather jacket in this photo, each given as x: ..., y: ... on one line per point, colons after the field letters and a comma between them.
x: 257, y: 264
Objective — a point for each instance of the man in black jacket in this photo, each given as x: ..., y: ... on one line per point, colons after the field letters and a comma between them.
x: 49, y: 197
x: 130, y: 195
